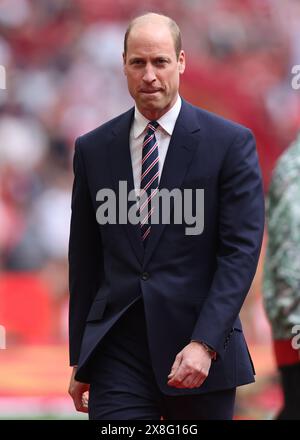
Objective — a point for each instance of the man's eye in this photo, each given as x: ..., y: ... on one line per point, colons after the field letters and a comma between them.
x: 161, y: 62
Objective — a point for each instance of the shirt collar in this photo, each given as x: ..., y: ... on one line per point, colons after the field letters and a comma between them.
x: 167, y: 121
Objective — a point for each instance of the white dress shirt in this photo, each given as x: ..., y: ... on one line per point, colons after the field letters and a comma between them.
x: 163, y: 135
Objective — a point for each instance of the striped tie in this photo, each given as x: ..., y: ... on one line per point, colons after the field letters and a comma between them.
x: 149, y: 179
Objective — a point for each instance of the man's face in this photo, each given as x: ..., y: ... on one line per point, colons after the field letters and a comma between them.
x: 152, y: 68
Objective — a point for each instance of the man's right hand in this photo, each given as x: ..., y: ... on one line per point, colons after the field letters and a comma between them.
x: 79, y: 393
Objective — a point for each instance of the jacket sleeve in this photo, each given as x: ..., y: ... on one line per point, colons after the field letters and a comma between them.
x: 241, y: 225
x: 85, y: 255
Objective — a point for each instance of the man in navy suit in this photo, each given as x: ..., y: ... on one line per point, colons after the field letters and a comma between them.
x: 154, y: 325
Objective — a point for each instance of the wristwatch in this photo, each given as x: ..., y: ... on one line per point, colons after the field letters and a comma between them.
x: 210, y: 351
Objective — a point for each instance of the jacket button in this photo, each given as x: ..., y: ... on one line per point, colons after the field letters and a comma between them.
x: 145, y: 276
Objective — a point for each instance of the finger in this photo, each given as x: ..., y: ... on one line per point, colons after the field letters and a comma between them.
x: 83, y: 409
x: 85, y: 398
x: 77, y: 399
x: 81, y: 403
x: 190, y: 381
x: 182, y: 370
x: 177, y: 385
x: 178, y: 378
x: 175, y: 365
x: 201, y: 378
x: 194, y: 380
x: 77, y: 403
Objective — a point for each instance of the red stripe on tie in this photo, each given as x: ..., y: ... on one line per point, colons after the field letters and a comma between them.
x: 150, y: 181
x: 146, y: 233
x: 143, y: 222
x: 153, y: 193
x: 151, y: 126
x: 146, y: 142
x: 149, y: 152
x: 149, y: 168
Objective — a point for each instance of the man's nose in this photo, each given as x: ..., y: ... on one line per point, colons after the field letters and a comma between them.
x: 149, y: 74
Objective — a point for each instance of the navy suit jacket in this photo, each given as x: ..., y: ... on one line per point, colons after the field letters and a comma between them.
x: 193, y: 286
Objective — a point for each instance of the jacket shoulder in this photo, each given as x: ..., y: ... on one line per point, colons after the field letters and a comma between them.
x: 215, y: 125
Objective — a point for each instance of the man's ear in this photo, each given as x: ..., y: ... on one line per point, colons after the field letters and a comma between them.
x: 181, y: 68
x: 181, y: 60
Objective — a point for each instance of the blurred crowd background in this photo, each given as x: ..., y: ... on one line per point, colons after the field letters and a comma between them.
x: 64, y: 77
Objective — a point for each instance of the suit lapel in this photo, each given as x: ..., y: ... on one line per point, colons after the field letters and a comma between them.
x: 180, y: 152
x: 121, y: 168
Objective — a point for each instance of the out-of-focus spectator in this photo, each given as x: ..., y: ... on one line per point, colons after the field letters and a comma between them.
x: 282, y: 274
x: 23, y: 143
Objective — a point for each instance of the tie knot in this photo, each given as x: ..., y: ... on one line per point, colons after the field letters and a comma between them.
x: 152, y: 126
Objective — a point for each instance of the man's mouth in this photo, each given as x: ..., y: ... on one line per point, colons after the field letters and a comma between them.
x: 150, y: 92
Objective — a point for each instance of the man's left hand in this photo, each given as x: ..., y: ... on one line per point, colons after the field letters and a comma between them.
x: 191, y: 367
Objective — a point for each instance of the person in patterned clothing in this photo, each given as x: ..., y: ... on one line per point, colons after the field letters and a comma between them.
x: 281, y: 282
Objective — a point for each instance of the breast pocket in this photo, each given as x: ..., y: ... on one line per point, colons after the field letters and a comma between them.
x: 97, y: 310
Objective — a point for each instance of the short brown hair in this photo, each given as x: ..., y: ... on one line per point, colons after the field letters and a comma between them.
x: 174, y: 28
